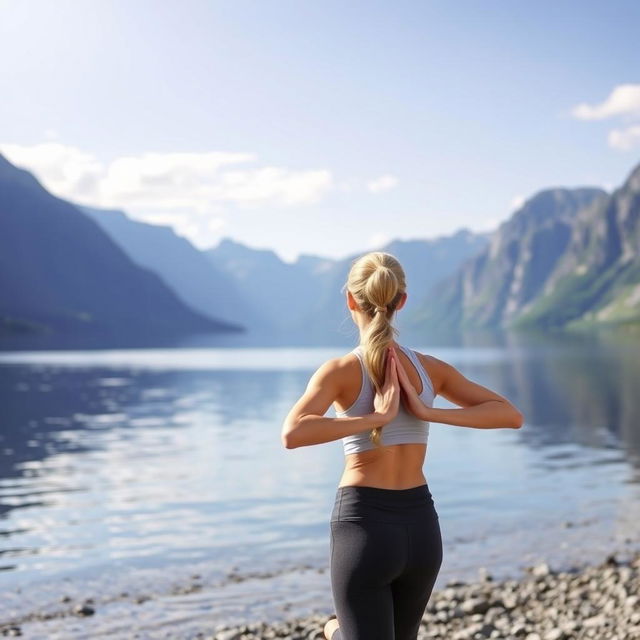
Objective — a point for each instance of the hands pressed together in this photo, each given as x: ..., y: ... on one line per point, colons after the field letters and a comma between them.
x: 397, y: 384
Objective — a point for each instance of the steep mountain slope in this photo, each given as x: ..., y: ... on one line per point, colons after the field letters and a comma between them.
x: 598, y: 279
x: 60, y: 273
x: 499, y: 284
x: 188, y: 272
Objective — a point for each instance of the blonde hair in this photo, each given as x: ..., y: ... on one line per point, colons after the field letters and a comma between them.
x: 376, y: 280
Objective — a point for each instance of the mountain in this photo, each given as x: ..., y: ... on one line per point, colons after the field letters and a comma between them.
x: 424, y: 262
x: 597, y: 281
x: 282, y: 291
x: 566, y: 257
x: 305, y: 298
x: 194, y: 278
x: 62, y: 275
x: 515, y: 281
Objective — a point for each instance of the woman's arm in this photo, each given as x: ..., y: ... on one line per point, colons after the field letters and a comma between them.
x: 305, y: 424
x: 493, y: 414
x: 314, y: 429
x: 482, y: 408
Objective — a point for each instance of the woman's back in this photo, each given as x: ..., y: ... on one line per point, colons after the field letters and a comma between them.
x: 398, y: 463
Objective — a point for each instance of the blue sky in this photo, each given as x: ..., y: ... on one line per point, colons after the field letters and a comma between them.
x: 319, y: 127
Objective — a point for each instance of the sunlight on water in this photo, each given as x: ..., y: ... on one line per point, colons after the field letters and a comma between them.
x: 120, y: 463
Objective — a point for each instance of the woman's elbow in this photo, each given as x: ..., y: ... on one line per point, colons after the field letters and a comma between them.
x: 518, y: 420
x: 287, y: 437
x: 288, y: 443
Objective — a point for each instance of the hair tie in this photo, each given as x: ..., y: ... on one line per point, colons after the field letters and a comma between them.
x: 380, y: 309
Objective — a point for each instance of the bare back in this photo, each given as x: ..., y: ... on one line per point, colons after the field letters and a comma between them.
x: 397, y: 466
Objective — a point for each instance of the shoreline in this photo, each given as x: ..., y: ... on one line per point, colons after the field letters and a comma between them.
x: 594, y: 600
x: 599, y: 601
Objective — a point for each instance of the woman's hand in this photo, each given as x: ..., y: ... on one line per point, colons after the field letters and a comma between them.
x: 410, y: 395
x: 387, y: 402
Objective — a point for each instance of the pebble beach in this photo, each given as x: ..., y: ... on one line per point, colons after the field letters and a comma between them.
x: 599, y: 601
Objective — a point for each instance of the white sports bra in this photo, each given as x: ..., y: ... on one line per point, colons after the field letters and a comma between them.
x: 404, y: 428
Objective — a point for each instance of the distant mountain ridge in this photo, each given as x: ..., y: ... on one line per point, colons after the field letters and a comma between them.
x: 565, y: 258
x: 282, y: 291
x: 305, y: 299
x: 61, y: 274
x: 198, y: 282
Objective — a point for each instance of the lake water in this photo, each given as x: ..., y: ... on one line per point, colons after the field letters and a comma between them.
x: 162, y: 472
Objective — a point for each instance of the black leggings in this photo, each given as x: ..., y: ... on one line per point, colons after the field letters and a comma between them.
x: 386, y: 552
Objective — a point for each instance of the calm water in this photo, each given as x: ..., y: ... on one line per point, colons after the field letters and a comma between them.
x: 130, y: 471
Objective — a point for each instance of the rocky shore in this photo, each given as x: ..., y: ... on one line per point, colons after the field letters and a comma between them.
x: 600, y: 602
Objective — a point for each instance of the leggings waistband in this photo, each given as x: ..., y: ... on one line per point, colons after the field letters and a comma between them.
x: 402, y: 495
x: 355, y: 502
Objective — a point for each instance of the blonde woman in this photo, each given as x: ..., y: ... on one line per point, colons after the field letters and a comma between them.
x: 386, y: 547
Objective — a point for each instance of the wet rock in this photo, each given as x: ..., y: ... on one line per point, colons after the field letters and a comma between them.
x: 476, y: 605
x: 541, y: 569
x: 84, y: 610
x: 230, y: 634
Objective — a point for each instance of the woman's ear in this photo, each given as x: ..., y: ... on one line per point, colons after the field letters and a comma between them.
x: 351, y: 303
x: 402, y: 301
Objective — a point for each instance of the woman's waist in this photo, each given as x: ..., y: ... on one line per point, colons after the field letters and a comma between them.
x: 394, y: 455
x: 368, y: 476
x: 366, y: 502
x: 393, y: 467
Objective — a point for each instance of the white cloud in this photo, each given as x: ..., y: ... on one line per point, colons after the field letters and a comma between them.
x: 64, y: 170
x: 624, y: 100
x: 383, y: 183
x: 378, y: 240
x: 216, y: 224
x: 487, y: 224
x: 517, y: 202
x: 191, y: 192
x: 165, y: 219
x: 625, y: 139
x: 167, y: 181
x: 344, y: 185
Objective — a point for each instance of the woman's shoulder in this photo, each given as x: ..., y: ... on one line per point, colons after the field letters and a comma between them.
x: 435, y: 368
x: 339, y: 366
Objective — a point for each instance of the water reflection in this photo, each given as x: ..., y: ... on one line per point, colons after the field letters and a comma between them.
x: 151, y: 458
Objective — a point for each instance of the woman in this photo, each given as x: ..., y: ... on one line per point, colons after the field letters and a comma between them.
x: 386, y: 548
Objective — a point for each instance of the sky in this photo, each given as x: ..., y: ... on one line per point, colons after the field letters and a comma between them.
x: 325, y: 128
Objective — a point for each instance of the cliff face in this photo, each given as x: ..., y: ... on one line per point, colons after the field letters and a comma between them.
x: 497, y: 286
x: 598, y: 278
